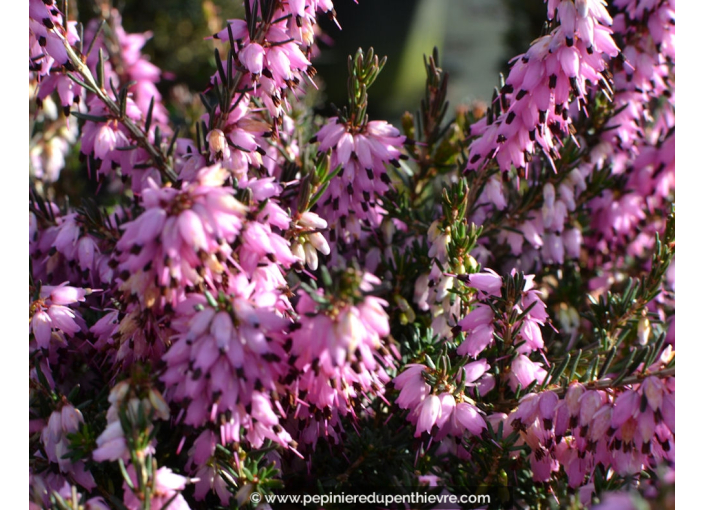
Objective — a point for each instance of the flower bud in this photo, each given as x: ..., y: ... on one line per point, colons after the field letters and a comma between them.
x: 318, y: 240
x: 297, y: 251
x: 311, y: 220
x: 311, y: 256
x: 71, y: 418
x: 574, y: 392
x: 159, y: 404
x: 653, y: 390
x: 218, y: 144
x: 643, y: 330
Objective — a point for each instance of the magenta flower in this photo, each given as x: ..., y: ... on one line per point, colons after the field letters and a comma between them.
x: 362, y: 152
x: 427, y: 413
x: 240, y: 346
x: 44, y: 23
x: 166, y: 488
x: 413, y: 388
x: 133, y: 67
x: 542, y: 84
x: 466, y: 417
x: 524, y: 372
x: 56, y: 443
x: 475, y: 370
x: 178, y: 240
x: 50, y: 318
x: 252, y: 56
x: 476, y: 341
x: 275, y: 61
x: 488, y: 282
x: 340, y: 354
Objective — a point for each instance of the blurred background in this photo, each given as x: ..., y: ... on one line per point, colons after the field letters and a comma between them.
x: 476, y: 38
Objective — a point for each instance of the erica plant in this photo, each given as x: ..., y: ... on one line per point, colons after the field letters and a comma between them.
x: 268, y: 301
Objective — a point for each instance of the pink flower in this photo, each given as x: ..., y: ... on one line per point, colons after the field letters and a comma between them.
x: 488, y: 282
x: 340, y: 356
x: 476, y: 341
x: 617, y: 501
x: 467, y: 416
x: 625, y: 407
x: 252, y: 56
x: 413, y: 388
x: 428, y: 413
x: 540, y: 84
x: 111, y: 444
x: 475, y: 370
x: 56, y: 443
x: 167, y: 486
x: 180, y: 232
x: 50, y: 314
x: 530, y: 331
x: 482, y: 315
x: 524, y: 372
x: 363, y: 153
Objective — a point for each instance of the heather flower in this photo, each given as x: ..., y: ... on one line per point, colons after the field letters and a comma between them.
x: 481, y: 323
x: 103, y: 139
x: 427, y: 413
x: 220, y: 357
x: 166, y: 488
x: 351, y: 198
x: 217, y: 304
x: 125, y: 398
x: 524, y: 372
x: 132, y: 67
x: 477, y: 340
x: 69, y: 91
x: 181, y: 233
x: 413, y: 388
x: 51, y: 318
x: 310, y: 240
x: 54, y: 437
x: 274, y: 61
x: 44, y: 22
x: 240, y: 143
x: 451, y: 416
x: 340, y: 354
x: 541, y: 85
x: 475, y: 370
x: 489, y: 282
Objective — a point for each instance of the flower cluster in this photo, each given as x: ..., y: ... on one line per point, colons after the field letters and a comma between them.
x: 125, y: 63
x: 586, y: 428
x: 559, y: 68
x: 340, y: 358
x: 128, y: 407
x: 271, y: 54
x: 443, y: 413
x: 47, y: 32
x: 352, y: 199
x: 225, y: 364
